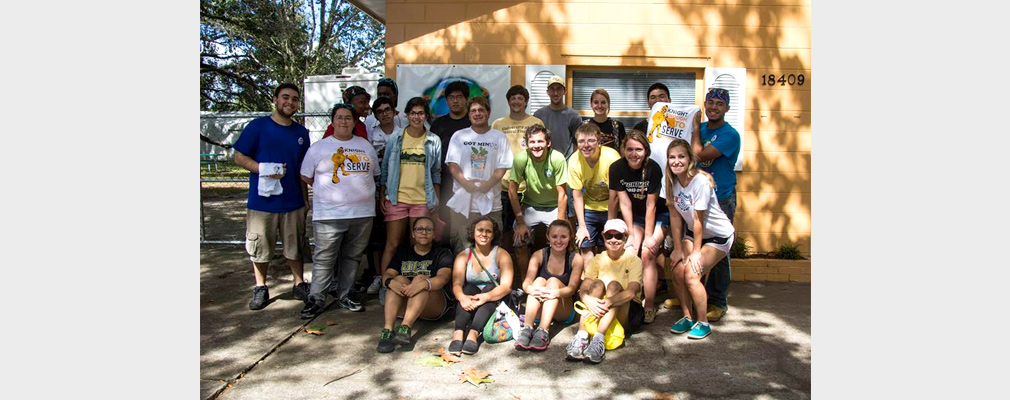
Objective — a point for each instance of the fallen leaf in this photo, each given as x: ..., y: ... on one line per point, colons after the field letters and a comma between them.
x: 502, y: 370
x: 330, y: 323
x: 432, y: 360
x: 222, y: 381
x: 318, y: 327
x: 448, y: 357
x: 327, y: 394
x: 276, y: 367
x: 364, y: 346
x: 313, y: 331
x: 476, y: 376
x: 516, y: 396
x: 662, y: 396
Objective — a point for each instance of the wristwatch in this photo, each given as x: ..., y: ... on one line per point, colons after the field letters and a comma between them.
x: 386, y: 283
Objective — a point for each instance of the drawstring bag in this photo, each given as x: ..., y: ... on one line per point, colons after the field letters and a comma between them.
x: 614, y: 336
x: 500, y: 327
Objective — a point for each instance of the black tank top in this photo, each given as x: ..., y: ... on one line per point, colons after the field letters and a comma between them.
x: 566, y: 276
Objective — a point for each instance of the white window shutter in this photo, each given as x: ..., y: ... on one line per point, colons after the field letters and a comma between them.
x: 733, y: 80
x: 536, y: 83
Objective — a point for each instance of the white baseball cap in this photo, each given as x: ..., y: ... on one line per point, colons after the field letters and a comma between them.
x: 615, y: 225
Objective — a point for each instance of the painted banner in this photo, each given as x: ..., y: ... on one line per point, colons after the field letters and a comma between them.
x: 668, y: 121
x: 429, y: 81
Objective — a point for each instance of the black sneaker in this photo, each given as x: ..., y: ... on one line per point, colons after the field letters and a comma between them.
x: 261, y: 296
x: 349, y: 304
x: 312, y: 309
x: 386, y: 344
x: 300, y: 291
x: 402, y: 336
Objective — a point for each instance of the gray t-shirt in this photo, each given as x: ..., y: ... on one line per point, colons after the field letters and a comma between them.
x: 562, y: 125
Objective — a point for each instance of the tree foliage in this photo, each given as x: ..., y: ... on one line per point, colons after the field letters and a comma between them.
x: 247, y: 47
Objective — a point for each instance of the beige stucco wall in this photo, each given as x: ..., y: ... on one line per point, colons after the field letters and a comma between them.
x: 764, y: 36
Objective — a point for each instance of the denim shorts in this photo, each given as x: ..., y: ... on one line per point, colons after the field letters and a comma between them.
x: 595, y: 220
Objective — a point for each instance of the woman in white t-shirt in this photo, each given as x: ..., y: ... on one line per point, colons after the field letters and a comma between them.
x: 709, y: 235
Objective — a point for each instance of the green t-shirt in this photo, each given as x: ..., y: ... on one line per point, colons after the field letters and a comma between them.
x: 542, y: 178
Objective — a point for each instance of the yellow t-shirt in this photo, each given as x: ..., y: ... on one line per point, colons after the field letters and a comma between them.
x: 624, y: 270
x: 412, y: 171
x: 595, y: 179
x: 515, y: 131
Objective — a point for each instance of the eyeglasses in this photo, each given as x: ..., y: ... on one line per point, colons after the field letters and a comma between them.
x: 424, y: 230
x: 383, y: 110
x: 417, y: 113
x: 618, y: 236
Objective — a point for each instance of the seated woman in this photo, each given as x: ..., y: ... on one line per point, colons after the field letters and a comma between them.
x: 416, y: 282
x: 708, y: 238
x: 481, y: 276
x: 611, y: 288
x: 552, y: 280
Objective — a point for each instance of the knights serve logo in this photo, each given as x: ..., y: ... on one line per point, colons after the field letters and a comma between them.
x: 350, y: 161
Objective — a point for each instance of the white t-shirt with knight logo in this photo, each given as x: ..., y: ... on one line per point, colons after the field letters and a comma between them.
x: 344, y: 174
x: 478, y: 156
x: 668, y: 121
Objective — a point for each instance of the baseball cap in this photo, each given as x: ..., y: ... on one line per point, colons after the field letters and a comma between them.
x: 352, y: 91
x: 556, y: 79
x: 615, y: 225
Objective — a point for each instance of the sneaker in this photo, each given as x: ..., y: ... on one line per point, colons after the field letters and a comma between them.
x: 541, y: 339
x: 576, y: 349
x: 300, y: 291
x: 402, y: 335
x: 349, y: 304
x: 672, y: 303
x: 715, y: 313
x: 682, y: 325
x: 596, y: 350
x: 523, y: 338
x: 456, y: 346
x: 470, y: 347
x: 261, y: 296
x: 312, y: 309
x: 386, y: 343
x: 699, y: 331
x: 382, y: 296
x: 376, y: 284
x: 650, y: 315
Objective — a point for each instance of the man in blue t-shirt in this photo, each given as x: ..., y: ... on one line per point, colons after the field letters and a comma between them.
x: 277, y: 144
x: 718, y: 157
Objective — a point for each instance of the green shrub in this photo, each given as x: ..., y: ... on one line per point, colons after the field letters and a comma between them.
x: 788, y: 252
x: 740, y: 248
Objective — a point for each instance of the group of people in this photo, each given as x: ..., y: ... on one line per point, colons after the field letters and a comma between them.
x: 564, y: 208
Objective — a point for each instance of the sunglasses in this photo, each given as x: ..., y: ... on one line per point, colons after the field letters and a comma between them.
x: 341, y: 105
x: 354, y: 91
x: 618, y: 236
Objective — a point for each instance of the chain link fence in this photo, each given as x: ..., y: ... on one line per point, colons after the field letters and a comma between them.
x: 224, y: 186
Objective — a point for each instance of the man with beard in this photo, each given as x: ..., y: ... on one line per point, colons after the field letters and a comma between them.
x: 275, y: 146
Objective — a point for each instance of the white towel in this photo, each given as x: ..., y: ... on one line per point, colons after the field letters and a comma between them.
x: 269, y: 186
x: 461, y: 201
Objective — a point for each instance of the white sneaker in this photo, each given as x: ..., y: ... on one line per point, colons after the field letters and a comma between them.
x: 376, y: 284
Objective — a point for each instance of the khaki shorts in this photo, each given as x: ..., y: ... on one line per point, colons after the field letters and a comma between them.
x: 261, y: 234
